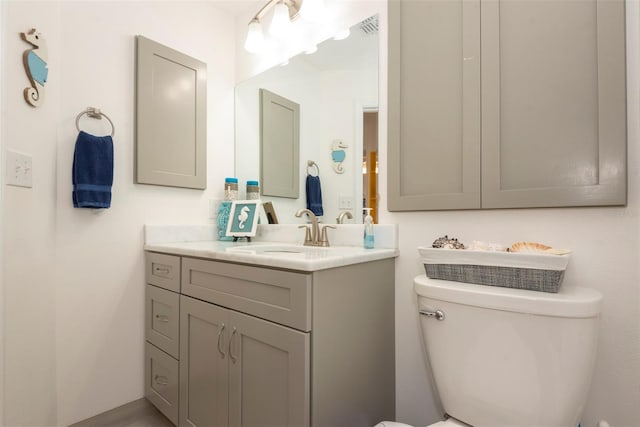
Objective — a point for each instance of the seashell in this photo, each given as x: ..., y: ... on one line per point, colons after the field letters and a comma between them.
x: 484, y: 246
x: 529, y: 247
x: 447, y: 243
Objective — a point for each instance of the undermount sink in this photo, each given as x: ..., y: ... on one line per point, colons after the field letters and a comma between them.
x: 277, y: 250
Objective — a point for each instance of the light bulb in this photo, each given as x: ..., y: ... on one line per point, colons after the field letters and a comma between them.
x: 280, y: 23
x: 313, y: 10
x: 255, y: 38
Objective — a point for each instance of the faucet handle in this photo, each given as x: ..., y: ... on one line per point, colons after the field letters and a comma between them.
x: 307, y: 235
x: 324, y: 240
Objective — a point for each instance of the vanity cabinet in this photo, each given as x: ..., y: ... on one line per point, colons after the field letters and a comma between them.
x: 240, y: 370
x: 506, y: 104
x: 261, y: 346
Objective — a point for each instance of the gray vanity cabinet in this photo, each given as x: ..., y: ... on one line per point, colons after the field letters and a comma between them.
x: 238, y: 370
x: 506, y: 104
x: 261, y: 346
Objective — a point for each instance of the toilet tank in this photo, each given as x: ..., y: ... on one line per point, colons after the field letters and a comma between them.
x: 510, y: 357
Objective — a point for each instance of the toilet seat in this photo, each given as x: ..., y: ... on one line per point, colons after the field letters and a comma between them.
x: 451, y: 422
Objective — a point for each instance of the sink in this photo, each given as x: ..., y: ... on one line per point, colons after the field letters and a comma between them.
x: 279, y: 250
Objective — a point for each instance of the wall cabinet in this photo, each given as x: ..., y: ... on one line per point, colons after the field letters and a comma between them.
x: 271, y: 347
x: 506, y: 104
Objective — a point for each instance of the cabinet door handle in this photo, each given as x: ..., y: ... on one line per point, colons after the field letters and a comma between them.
x: 161, y: 270
x: 233, y: 334
x: 220, y: 340
x: 162, y: 318
x: 161, y: 379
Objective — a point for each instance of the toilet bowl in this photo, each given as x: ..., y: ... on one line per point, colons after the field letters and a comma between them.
x: 507, y: 357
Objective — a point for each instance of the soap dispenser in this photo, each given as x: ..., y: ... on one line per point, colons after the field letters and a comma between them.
x: 368, y: 229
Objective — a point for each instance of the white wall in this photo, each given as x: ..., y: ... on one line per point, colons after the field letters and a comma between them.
x: 605, y: 242
x: 73, y: 278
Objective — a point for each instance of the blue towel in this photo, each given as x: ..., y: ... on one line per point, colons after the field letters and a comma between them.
x: 314, y: 195
x: 92, y: 171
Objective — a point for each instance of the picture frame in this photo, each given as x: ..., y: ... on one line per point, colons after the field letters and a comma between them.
x: 243, y: 218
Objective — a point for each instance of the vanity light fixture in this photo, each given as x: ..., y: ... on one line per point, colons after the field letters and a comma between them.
x: 284, y: 12
x: 255, y: 39
x: 280, y: 22
x: 313, y: 10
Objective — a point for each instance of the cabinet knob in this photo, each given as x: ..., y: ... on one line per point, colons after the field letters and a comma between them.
x: 162, y: 318
x: 161, y: 379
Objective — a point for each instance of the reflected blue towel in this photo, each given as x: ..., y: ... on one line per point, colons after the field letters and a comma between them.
x: 92, y: 171
x: 314, y: 195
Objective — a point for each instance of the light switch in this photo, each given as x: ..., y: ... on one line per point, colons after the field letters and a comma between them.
x: 18, y: 169
x: 345, y: 202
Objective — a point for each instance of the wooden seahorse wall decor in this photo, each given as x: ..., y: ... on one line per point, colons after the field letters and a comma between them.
x: 35, y: 64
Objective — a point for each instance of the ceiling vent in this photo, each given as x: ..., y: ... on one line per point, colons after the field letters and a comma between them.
x: 369, y: 26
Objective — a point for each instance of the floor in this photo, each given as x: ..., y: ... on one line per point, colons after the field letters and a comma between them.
x: 139, y: 413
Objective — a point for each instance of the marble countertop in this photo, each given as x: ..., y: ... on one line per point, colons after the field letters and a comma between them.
x: 276, y: 252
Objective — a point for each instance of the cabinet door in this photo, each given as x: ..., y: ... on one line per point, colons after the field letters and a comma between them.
x: 269, y: 374
x: 553, y: 103
x: 434, y: 105
x: 203, y: 364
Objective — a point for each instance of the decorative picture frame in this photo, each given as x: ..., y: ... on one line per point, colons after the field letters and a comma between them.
x: 243, y: 218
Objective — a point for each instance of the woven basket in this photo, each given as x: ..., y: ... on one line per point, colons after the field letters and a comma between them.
x: 542, y: 273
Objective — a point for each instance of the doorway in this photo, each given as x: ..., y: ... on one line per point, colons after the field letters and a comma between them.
x: 370, y: 162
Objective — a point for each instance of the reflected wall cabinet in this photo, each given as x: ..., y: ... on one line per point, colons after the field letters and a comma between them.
x: 506, y: 104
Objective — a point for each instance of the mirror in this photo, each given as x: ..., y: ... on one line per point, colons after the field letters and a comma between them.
x: 335, y: 87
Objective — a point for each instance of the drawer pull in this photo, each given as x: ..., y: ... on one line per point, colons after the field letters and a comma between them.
x: 233, y: 334
x: 161, y: 270
x: 219, y: 341
x: 161, y: 379
x: 162, y: 318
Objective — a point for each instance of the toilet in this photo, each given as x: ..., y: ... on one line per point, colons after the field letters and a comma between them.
x: 508, y: 357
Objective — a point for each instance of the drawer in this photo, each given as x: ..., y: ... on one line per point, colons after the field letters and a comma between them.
x: 163, y: 270
x: 162, y: 319
x: 161, y: 381
x: 283, y: 297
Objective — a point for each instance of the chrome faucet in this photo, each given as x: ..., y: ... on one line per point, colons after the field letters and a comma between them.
x: 311, y: 238
x: 342, y: 215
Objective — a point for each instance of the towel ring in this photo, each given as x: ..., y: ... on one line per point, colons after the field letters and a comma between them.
x: 94, y: 113
x: 311, y: 163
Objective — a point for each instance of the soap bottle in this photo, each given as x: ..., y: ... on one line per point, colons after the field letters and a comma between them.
x: 368, y: 229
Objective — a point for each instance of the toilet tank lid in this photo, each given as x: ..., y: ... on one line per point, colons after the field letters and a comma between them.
x: 570, y: 301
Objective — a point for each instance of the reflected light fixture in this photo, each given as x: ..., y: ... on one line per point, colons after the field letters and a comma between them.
x: 343, y: 34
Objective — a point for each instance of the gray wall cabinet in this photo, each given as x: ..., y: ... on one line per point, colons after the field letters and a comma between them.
x: 269, y: 347
x: 506, y: 104
x: 171, y: 117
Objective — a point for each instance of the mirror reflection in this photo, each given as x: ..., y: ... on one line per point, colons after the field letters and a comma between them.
x: 336, y: 88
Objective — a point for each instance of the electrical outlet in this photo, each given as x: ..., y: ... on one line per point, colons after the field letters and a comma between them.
x: 345, y: 202
x: 19, y: 169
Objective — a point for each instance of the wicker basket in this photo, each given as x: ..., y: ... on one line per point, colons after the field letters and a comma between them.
x: 534, y: 272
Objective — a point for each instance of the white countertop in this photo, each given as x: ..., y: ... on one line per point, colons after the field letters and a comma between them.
x: 196, y: 241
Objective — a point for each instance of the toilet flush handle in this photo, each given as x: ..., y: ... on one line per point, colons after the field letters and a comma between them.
x: 438, y: 314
